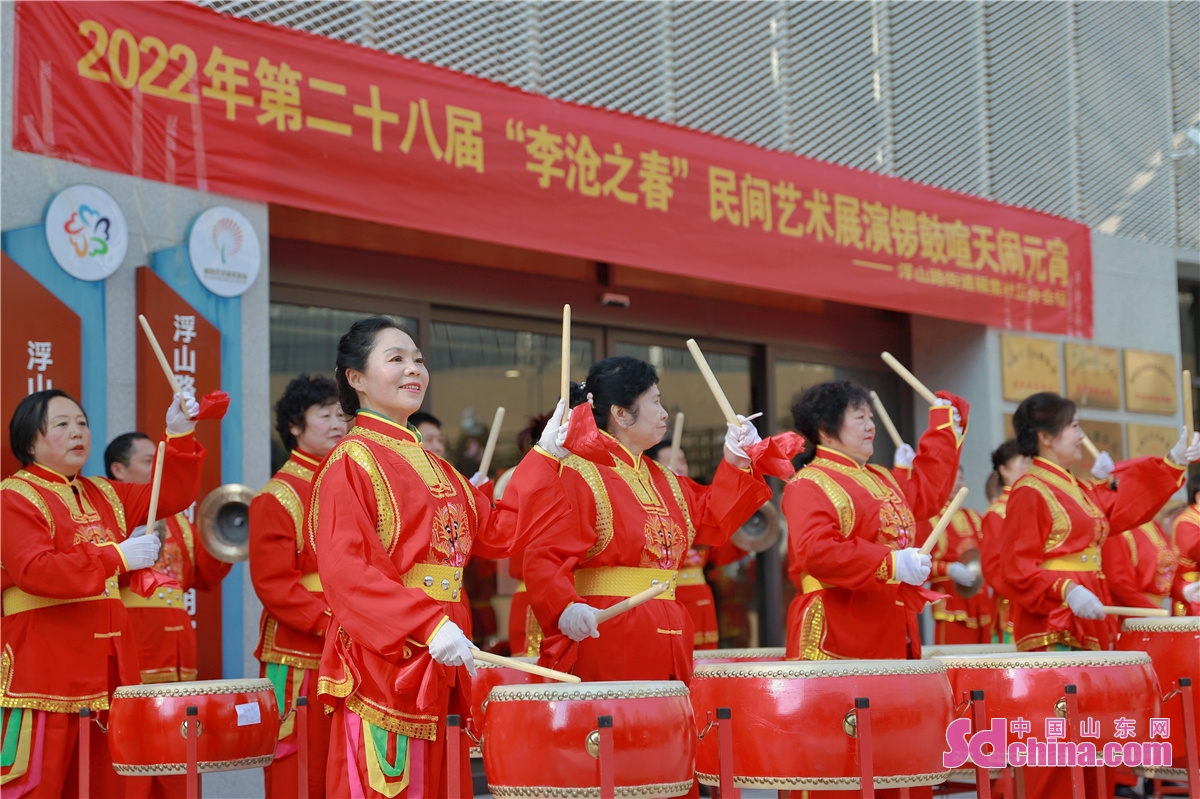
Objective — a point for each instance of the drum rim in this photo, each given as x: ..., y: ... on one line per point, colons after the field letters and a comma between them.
x: 1046, y: 660
x: 247, y: 685
x: 631, y: 791
x: 811, y: 783
x: 816, y: 669
x: 1172, y: 624
x: 202, y: 766
x: 930, y: 652
x: 777, y: 653
x: 559, y: 692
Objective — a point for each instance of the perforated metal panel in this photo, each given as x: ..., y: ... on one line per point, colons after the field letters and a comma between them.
x: 1080, y: 109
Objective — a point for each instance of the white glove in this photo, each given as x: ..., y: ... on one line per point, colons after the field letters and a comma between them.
x: 904, y: 457
x: 140, y: 552
x: 1103, y: 466
x: 740, y: 436
x: 1084, y: 604
x: 451, y: 647
x: 180, y: 416
x: 578, y: 621
x: 911, y: 566
x: 1183, y: 453
x: 960, y: 574
x: 1191, y: 592
x: 478, y: 479
x: 555, y: 434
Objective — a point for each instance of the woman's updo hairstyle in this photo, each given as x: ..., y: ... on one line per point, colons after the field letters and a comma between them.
x: 614, y: 381
x: 821, y: 409
x: 1044, y: 412
x: 1002, y: 455
x: 354, y: 350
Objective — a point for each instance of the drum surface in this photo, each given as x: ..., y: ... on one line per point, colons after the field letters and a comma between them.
x: 1174, y: 646
x: 542, y: 740
x: 488, y: 676
x: 239, y: 726
x: 795, y: 727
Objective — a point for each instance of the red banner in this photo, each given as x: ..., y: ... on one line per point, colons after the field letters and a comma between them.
x: 176, y: 93
x: 41, y: 343
x: 192, y: 347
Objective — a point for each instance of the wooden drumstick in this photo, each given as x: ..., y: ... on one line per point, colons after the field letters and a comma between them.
x: 1090, y: 447
x: 882, y: 413
x: 944, y: 522
x: 162, y: 359
x: 155, y: 487
x: 713, y: 385
x: 493, y: 436
x: 497, y: 660
x: 632, y: 602
x: 909, y: 377
x: 1188, y: 419
x: 1117, y: 610
x: 676, y: 434
x: 564, y: 390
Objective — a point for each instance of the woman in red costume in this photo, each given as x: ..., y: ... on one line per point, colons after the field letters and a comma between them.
x: 956, y: 619
x: 1185, y: 538
x: 283, y: 568
x: 631, y: 524
x: 392, y: 527
x: 1008, y: 464
x: 852, y: 527
x: 67, y: 641
x: 1054, y: 530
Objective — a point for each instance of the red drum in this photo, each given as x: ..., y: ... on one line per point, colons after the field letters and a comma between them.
x: 1174, y: 646
x: 1030, y: 685
x: 795, y: 728
x: 542, y: 740
x: 488, y: 676
x: 239, y: 726
x: 707, y: 657
x: 949, y: 650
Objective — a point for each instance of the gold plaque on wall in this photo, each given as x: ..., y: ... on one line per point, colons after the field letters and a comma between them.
x: 1151, y: 439
x: 1150, y: 382
x: 1093, y: 377
x: 1107, y: 438
x: 1029, y: 365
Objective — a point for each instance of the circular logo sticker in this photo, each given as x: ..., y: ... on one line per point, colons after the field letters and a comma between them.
x: 224, y: 251
x: 86, y: 232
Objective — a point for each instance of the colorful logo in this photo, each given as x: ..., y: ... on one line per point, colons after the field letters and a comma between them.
x: 86, y: 232
x: 224, y: 251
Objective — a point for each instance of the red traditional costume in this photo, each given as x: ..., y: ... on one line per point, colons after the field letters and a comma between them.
x: 166, y: 639
x: 631, y: 523
x: 1053, y: 532
x: 695, y: 593
x: 991, y: 551
x: 524, y: 632
x: 1185, y: 539
x: 844, y: 521
x: 1140, y: 565
x: 958, y: 620
x: 291, y: 634
x: 393, y: 526
x: 67, y: 641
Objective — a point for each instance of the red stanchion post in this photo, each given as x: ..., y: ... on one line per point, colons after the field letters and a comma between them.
x: 85, y: 753
x: 866, y: 765
x: 979, y: 721
x: 453, y: 766
x: 302, y: 747
x: 608, y: 768
x: 193, y: 768
x: 725, y: 753
x: 1190, y: 745
x: 1072, y: 697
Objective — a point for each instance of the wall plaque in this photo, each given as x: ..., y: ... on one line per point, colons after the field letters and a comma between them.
x: 1093, y: 376
x: 1029, y: 365
x: 1151, y: 439
x: 1150, y: 382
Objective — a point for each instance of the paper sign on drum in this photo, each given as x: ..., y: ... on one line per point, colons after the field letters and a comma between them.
x: 224, y: 251
x: 86, y: 232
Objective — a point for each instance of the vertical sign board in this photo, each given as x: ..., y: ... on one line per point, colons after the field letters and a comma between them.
x: 40, y: 347
x: 193, y: 350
